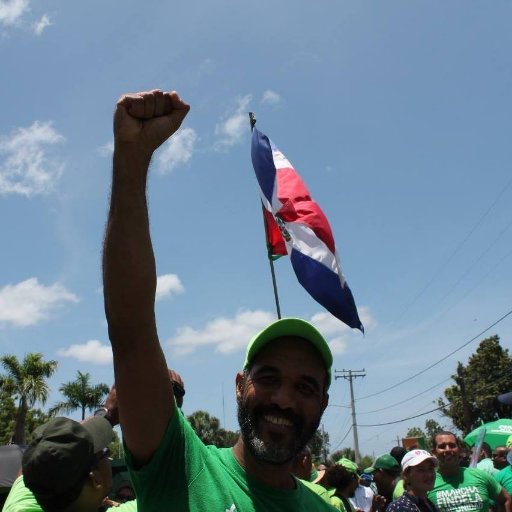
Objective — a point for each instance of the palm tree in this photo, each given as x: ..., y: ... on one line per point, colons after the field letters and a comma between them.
x: 80, y: 394
x: 27, y: 382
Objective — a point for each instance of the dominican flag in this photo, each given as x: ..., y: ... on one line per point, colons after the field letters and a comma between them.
x: 297, y: 226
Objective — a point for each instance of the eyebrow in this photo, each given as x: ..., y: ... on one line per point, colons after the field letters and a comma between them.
x: 275, y: 371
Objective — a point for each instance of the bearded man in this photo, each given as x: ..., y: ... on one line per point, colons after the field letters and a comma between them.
x: 281, y: 392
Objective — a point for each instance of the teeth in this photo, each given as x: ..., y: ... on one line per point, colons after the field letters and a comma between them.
x: 276, y: 420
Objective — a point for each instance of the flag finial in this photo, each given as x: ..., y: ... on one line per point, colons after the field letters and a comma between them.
x: 252, y: 119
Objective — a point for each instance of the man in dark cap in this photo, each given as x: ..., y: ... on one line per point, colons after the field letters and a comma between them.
x: 65, y: 468
x: 385, y: 471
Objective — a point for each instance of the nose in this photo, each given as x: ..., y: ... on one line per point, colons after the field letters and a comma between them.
x: 283, y: 396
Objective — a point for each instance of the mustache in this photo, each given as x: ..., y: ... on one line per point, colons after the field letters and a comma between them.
x: 274, y: 410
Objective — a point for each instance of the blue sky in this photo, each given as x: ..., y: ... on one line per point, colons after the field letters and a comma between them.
x: 396, y: 114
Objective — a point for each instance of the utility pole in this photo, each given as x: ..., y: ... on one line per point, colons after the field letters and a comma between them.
x: 324, y: 445
x: 351, y: 375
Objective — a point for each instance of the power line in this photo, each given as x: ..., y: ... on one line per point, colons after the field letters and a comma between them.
x: 402, y: 420
x: 407, y: 399
x: 440, y: 360
x: 453, y: 254
x: 405, y: 419
x: 344, y: 437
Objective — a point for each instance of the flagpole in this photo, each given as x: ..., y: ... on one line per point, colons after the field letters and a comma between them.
x: 252, y: 121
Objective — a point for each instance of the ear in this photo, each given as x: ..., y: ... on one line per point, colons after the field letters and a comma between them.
x: 239, y: 385
x: 94, y: 479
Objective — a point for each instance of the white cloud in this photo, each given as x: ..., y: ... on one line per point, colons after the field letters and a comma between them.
x: 338, y: 334
x: 229, y: 335
x: 226, y: 335
x: 167, y: 285
x: 40, y: 25
x: 11, y: 11
x: 26, y: 168
x: 29, y: 302
x: 234, y: 125
x: 270, y: 98
x: 177, y: 150
x: 107, y: 149
x: 92, y: 351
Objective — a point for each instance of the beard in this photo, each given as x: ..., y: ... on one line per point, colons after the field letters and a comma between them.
x: 277, y: 450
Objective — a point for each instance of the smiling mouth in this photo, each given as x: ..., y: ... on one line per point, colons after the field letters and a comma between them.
x: 278, y: 420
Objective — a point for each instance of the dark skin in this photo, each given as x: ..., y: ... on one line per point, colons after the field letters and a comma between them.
x: 289, y: 374
x: 142, y: 122
x: 447, y: 451
x: 499, y: 457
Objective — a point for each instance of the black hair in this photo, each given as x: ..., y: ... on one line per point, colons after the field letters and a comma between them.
x: 339, y: 477
x: 444, y: 433
x: 398, y: 453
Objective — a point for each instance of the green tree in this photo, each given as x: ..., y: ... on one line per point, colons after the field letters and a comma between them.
x: 208, y: 430
x: 415, y: 432
x: 80, y: 394
x: 7, y: 415
x: 319, y: 446
x: 432, y: 427
x: 27, y: 382
x: 35, y: 418
x: 204, y: 425
x: 472, y: 399
x: 116, y: 447
x: 366, y: 462
x: 347, y: 453
x: 226, y: 438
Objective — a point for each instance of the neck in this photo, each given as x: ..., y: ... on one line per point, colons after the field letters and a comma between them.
x: 272, y: 475
x: 447, y: 471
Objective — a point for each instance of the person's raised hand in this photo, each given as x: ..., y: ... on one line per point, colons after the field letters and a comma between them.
x: 147, y: 119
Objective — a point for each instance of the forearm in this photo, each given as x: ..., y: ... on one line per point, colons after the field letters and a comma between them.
x: 129, y: 274
x: 129, y: 271
x: 503, y: 502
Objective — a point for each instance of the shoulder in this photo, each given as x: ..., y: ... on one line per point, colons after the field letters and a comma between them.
x: 484, y: 479
x: 504, y: 473
x: 477, y: 473
x: 21, y: 499
x: 315, y: 493
x: 401, y: 504
x: 129, y: 506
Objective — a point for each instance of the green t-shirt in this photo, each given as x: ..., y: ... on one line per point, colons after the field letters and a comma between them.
x: 318, y: 489
x: 187, y: 476
x: 335, y: 501
x: 504, y: 478
x: 470, y: 490
x: 21, y: 499
x: 399, y: 490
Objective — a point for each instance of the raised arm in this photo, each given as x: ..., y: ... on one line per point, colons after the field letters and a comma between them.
x: 503, y: 501
x: 142, y: 122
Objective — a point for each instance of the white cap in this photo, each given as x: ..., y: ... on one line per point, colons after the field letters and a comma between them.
x: 415, y: 457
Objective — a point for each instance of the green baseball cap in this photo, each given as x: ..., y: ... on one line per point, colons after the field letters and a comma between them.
x: 60, y: 456
x: 290, y: 327
x: 387, y: 462
x: 348, y: 464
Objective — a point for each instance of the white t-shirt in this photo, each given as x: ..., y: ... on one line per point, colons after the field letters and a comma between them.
x: 363, y: 498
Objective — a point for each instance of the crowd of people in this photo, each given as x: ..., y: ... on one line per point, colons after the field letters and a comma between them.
x: 282, y: 390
